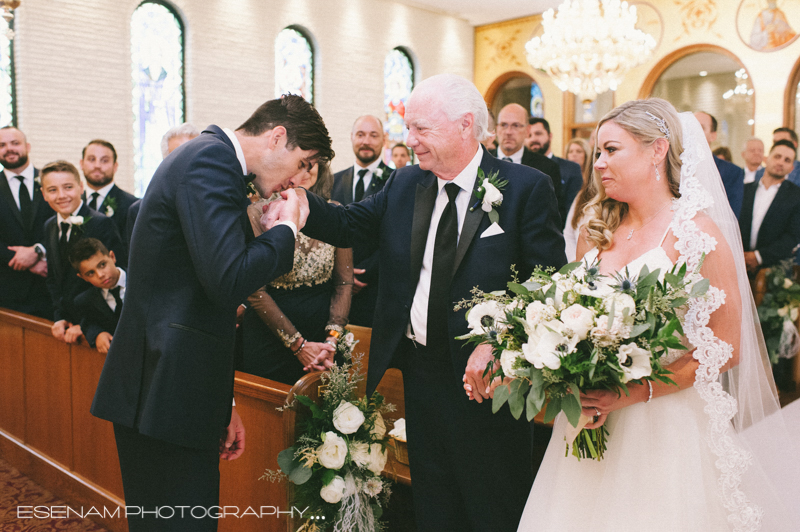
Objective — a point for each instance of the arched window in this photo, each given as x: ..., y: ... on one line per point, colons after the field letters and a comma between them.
x: 159, y: 102
x: 516, y: 87
x: 294, y: 64
x: 8, y: 100
x: 791, y: 102
x: 398, y: 81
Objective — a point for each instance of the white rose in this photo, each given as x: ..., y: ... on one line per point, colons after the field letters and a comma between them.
x: 783, y: 311
x: 635, y: 362
x: 549, y: 348
x: 399, y: 430
x: 334, y: 491
x: 536, y: 313
x: 349, y: 339
x: 579, y: 320
x: 491, y: 197
x: 373, y: 486
x: 485, y: 316
x: 359, y: 452
x: 333, y: 451
x: 787, y: 283
x: 75, y: 220
x: 793, y: 314
x: 109, y: 212
x: 347, y: 418
x: 379, y: 427
x: 621, y: 302
x: 507, y: 360
x: 377, y: 458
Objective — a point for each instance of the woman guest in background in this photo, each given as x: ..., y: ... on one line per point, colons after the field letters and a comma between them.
x: 578, y: 151
x: 291, y: 325
x: 723, y: 153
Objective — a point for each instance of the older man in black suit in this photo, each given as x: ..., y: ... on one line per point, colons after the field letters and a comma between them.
x: 99, y: 165
x: 167, y: 383
x: 471, y: 469
x: 23, y: 264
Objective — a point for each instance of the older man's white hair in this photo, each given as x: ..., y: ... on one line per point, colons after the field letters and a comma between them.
x: 184, y: 130
x: 457, y: 97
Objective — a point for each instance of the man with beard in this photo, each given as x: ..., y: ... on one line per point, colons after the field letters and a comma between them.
x: 365, y: 178
x: 99, y: 164
x: 23, y: 267
x: 571, y: 176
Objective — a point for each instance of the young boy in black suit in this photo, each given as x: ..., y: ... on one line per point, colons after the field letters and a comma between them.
x: 62, y: 189
x: 101, y: 305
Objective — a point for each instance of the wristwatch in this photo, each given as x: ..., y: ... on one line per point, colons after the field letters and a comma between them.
x: 40, y: 251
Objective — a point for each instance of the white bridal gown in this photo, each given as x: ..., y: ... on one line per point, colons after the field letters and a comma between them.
x: 658, y: 473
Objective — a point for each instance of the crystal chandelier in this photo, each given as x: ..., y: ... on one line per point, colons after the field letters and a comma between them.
x: 587, y: 49
x: 8, y: 14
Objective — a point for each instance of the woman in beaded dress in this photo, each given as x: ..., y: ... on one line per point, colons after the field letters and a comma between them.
x: 291, y: 324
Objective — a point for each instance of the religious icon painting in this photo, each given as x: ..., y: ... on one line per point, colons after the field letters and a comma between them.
x: 768, y: 25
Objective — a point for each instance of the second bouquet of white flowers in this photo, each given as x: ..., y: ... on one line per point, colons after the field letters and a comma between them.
x: 560, y: 333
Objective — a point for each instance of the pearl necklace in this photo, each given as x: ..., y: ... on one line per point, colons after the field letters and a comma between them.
x: 630, y: 234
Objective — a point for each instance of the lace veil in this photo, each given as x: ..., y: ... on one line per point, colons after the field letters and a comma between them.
x: 758, y: 463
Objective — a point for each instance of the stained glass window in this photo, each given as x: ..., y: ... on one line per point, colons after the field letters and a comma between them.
x: 294, y: 64
x: 8, y: 111
x: 157, y: 54
x: 537, y: 101
x: 398, y: 80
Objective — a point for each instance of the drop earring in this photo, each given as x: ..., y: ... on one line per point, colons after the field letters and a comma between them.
x: 658, y: 175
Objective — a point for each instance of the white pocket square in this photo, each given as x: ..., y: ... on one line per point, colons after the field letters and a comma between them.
x: 492, y: 230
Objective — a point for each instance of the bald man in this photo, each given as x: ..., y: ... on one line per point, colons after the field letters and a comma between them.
x: 365, y: 178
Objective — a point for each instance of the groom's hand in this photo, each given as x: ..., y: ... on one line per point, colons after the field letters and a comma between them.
x: 232, y: 446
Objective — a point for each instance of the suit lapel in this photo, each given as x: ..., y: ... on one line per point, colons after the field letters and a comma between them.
x: 746, y: 216
x: 8, y: 196
x: 347, y: 184
x: 53, y: 252
x: 374, y: 182
x: 473, y: 218
x: 774, y: 212
x: 38, y: 199
x: 424, y: 200
x: 101, y: 305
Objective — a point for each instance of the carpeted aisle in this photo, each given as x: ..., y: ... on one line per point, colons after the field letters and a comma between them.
x: 19, y: 491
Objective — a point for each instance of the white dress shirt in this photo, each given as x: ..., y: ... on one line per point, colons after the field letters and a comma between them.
x: 60, y: 219
x: 763, y: 199
x: 240, y: 155
x: 749, y: 176
x: 418, y: 328
x: 101, y: 194
x: 367, y: 177
x: 109, y: 297
x: 13, y: 182
x: 515, y: 157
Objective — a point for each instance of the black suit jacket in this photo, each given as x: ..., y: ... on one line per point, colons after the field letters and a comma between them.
x: 123, y: 201
x: 363, y: 304
x: 19, y: 288
x: 133, y: 212
x: 779, y: 233
x: 397, y: 220
x: 544, y: 164
x: 571, y: 183
x: 169, y: 372
x: 62, y: 279
x: 733, y: 181
x: 97, y: 316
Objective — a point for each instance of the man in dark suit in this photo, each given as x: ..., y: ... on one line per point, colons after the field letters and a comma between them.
x: 770, y: 220
x: 571, y: 176
x: 99, y: 164
x: 62, y: 189
x: 785, y: 133
x: 471, y: 468
x: 366, y: 177
x: 512, y: 130
x: 732, y: 175
x: 167, y: 383
x: 23, y: 264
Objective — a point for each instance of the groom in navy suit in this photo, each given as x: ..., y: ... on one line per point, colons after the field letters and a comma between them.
x: 471, y: 469
x: 167, y: 383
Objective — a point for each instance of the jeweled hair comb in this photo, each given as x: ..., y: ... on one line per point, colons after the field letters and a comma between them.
x: 662, y: 124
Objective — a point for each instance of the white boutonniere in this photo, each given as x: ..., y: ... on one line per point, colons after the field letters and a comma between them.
x: 490, y: 194
x: 111, y: 207
x: 383, y: 172
x: 75, y: 220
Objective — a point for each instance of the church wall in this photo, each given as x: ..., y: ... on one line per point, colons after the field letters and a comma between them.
x: 73, y: 65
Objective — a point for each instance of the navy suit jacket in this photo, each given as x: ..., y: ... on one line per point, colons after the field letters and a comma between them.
x: 779, y: 233
x: 398, y: 218
x: 545, y: 165
x: 133, y: 212
x: 62, y: 279
x: 169, y: 372
x: 733, y: 181
x: 96, y: 315
x: 17, y: 287
x: 123, y: 201
x: 571, y: 183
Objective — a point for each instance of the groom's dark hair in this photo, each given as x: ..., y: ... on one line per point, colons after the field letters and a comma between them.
x: 304, y: 126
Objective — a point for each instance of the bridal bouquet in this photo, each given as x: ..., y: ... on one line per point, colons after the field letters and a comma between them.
x: 560, y: 333
x: 337, y: 460
x: 778, y: 313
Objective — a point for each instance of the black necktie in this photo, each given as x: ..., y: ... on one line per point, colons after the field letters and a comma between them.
x: 508, y: 159
x: 444, y: 256
x: 359, y: 195
x: 25, y: 204
x: 115, y: 292
x: 62, y: 243
x: 93, y: 204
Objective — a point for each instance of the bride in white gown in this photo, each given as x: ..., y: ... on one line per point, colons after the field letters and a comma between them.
x: 713, y: 453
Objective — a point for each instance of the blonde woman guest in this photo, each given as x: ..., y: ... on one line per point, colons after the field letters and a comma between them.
x: 578, y: 151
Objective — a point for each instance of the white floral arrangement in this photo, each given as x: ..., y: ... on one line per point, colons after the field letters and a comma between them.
x: 560, y: 333
x: 337, y: 460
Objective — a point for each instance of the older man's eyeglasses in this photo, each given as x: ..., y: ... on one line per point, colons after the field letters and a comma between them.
x: 516, y: 126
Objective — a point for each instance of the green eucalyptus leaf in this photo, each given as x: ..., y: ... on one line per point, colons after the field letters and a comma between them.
x: 569, y: 267
x: 518, y: 289
x: 516, y: 400
x: 639, y: 328
x: 553, y: 408
x: 501, y: 394
x: 494, y: 216
x: 700, y: 288
x: 572, y: 409
x: 297, y: 472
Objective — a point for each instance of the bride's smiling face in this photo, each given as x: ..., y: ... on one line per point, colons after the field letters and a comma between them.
x: 624, y: 165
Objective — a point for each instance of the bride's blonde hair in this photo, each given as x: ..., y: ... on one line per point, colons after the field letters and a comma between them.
x: 604, y: 214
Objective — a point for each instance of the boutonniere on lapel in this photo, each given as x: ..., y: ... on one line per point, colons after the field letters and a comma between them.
x: 77, y: 223
x: 111, y: 206
x: 383, y: 172
x: 490, y: 194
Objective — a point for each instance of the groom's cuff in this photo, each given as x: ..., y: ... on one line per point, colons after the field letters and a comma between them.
x: 756, y: 253
x: 291, y: 226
